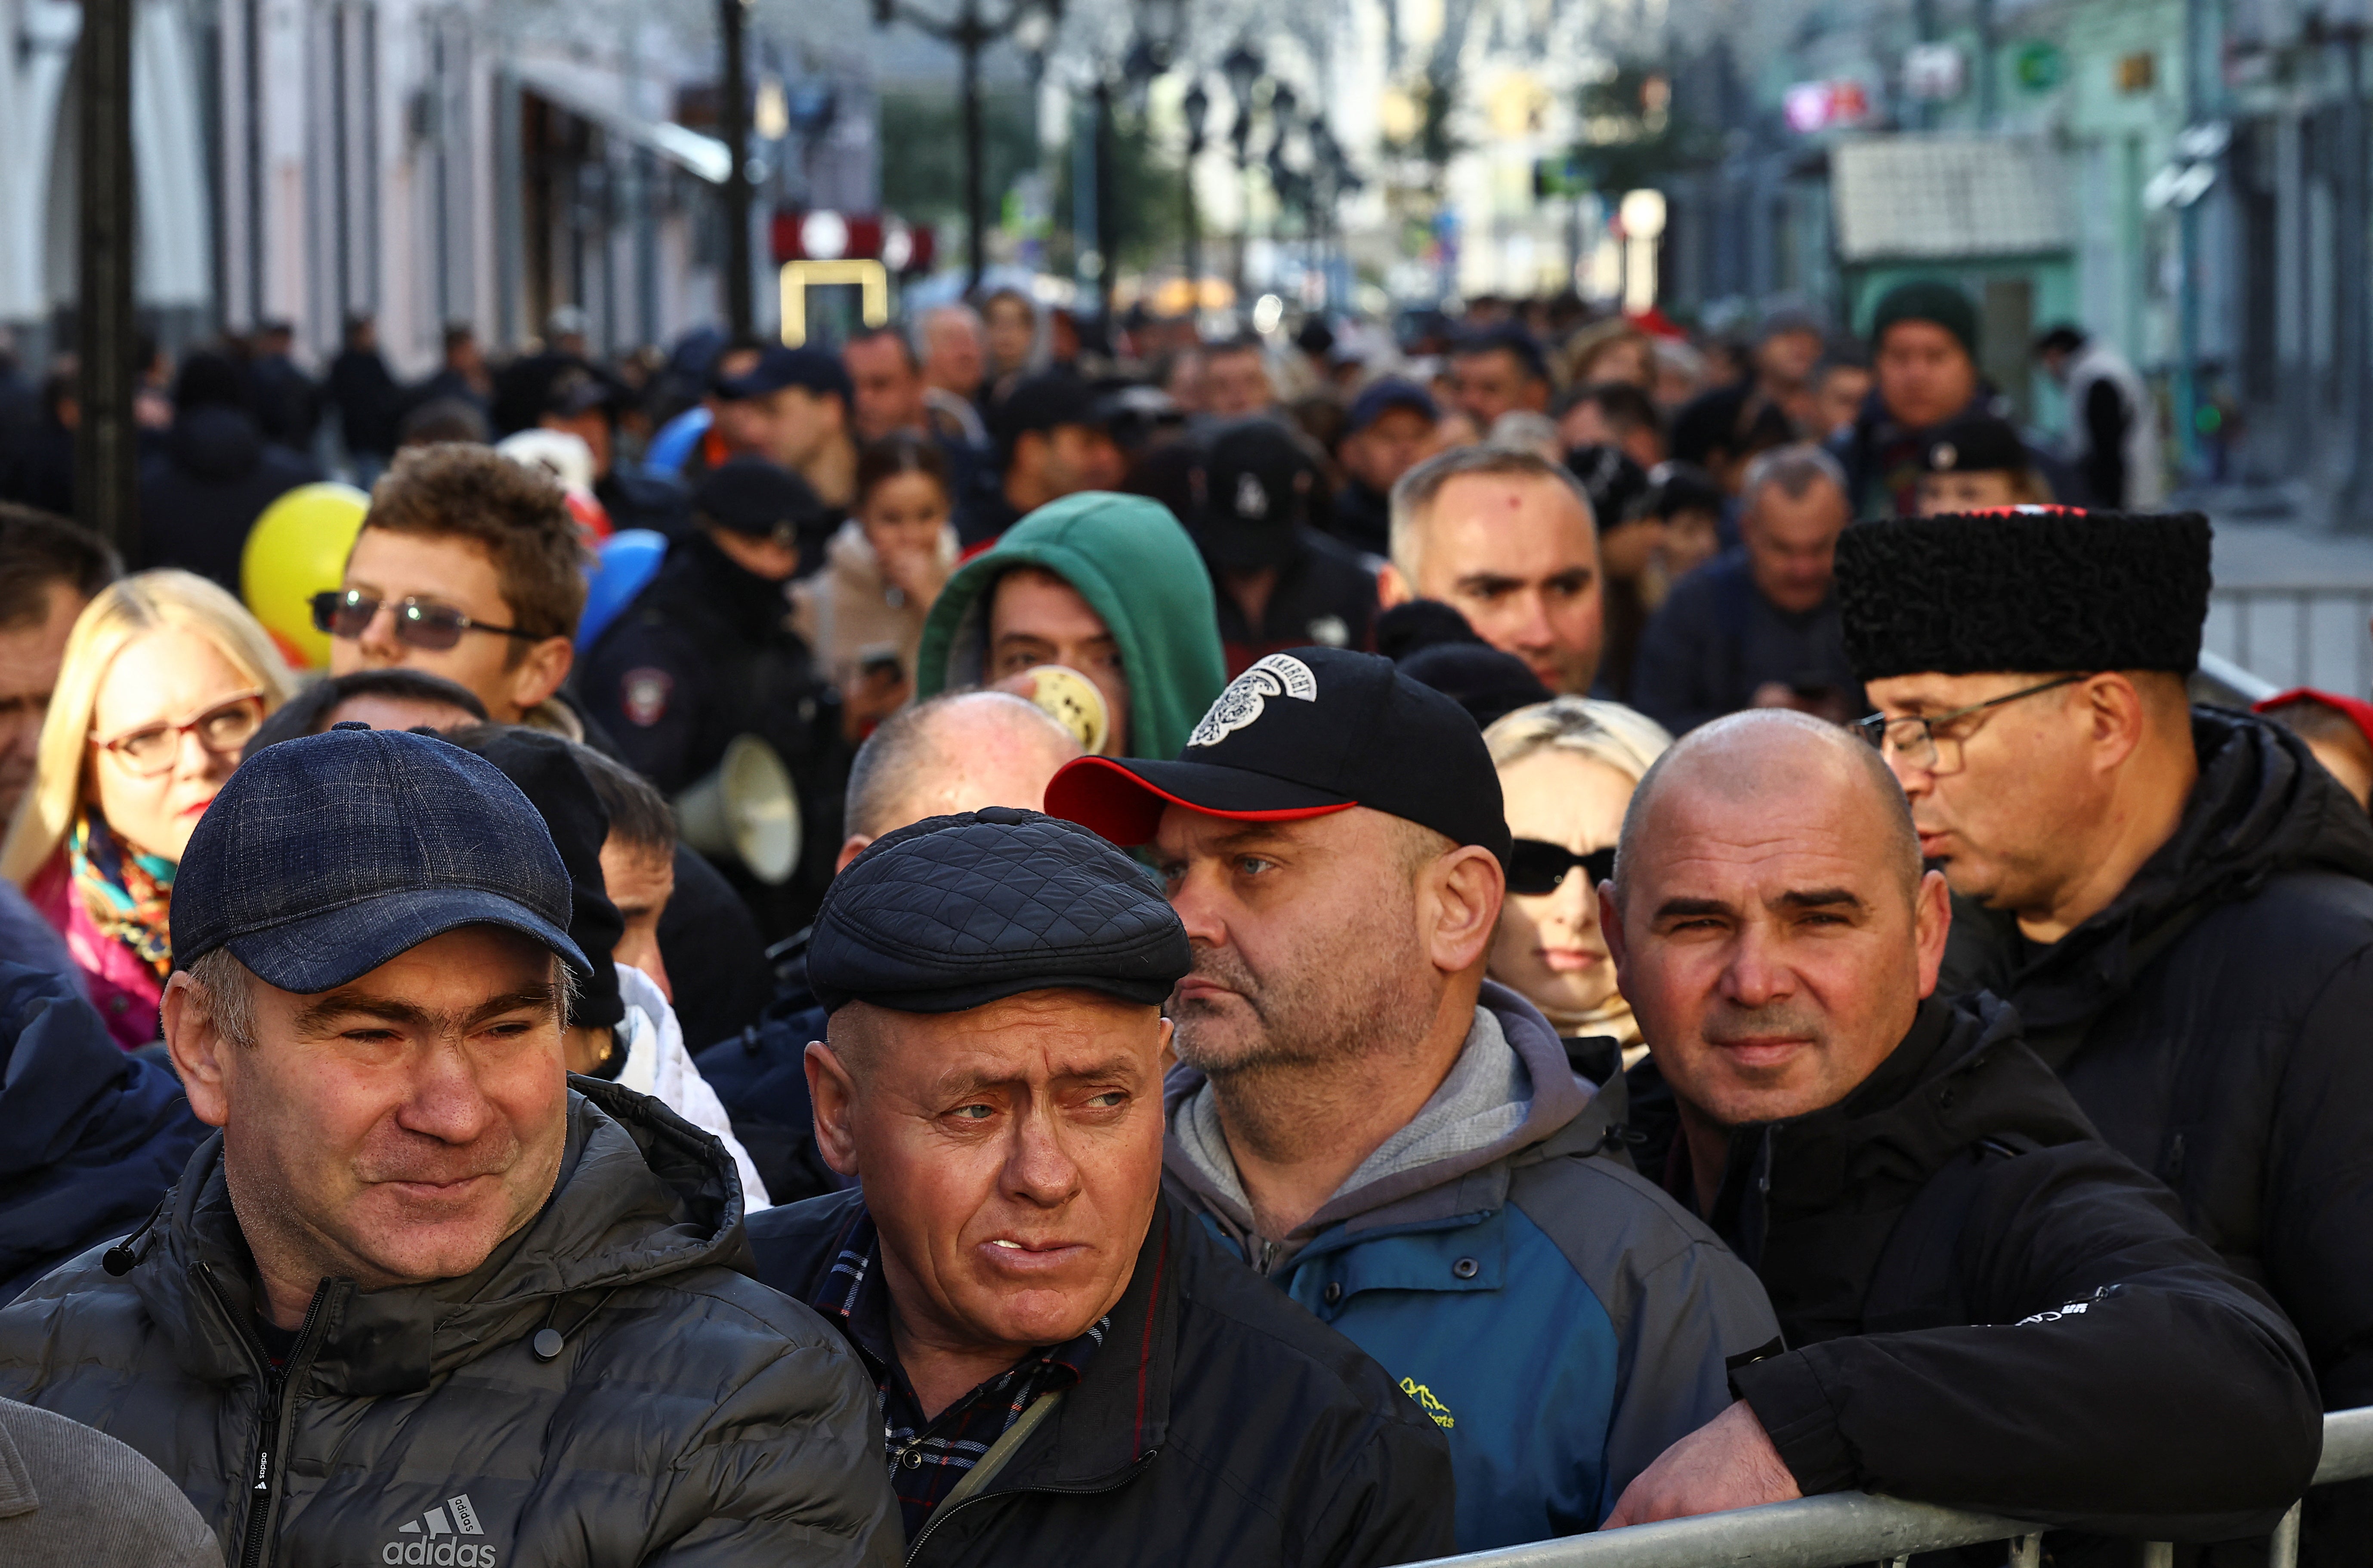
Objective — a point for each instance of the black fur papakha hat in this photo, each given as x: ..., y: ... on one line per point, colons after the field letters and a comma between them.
x: 2031, y: 589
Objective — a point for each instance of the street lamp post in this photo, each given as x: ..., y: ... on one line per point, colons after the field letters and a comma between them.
x: 103, y: 439
x: 734, y: 119
x: 1197, y: 108
x: 1242, y: 69
x: 969, y: 32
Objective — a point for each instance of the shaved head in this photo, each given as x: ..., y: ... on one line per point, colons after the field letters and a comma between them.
x: 1774, y: 751
x: 956, y: 752
x: 1769, y: 922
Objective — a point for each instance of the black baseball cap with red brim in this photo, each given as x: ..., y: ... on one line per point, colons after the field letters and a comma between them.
x: 1300, y: 734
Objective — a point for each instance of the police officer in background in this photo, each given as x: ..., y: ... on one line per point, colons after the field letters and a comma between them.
x: 706, y: 653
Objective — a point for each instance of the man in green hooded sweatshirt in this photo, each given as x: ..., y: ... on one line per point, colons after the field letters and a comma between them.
x: 1108, y: 585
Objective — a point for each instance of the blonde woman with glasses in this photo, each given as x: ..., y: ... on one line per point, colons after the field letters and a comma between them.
x: 1567, y: 770
x: 165, y: 678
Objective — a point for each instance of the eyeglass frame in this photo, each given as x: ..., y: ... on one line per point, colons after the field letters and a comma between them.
x: 114, y: 747
x: 1591, y: 860
x: 407, y: 610
x: 1880, y: 723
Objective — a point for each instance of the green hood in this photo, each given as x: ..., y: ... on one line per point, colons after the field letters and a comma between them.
x: 1135, y: 565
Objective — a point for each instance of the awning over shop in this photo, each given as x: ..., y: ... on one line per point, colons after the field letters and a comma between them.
x: 705, y: 158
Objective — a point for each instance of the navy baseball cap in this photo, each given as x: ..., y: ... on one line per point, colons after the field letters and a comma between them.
x: 1300, y: 734
x: 811, y: 369
x: 750, y: 496
x: 325, y: 857
x: 1380, y: 398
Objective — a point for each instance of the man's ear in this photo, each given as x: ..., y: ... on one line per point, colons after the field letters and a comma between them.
x: 850, y: 848
x: 1469, y: 887
x: 2117, y: 715
x: 1167, y: 1056
x: 1932, y: 922
x: 1392, y: 587
x: 832, y: 1092
x: 197, y: 1049
x: 539, y: 674
x: 1610, y: 927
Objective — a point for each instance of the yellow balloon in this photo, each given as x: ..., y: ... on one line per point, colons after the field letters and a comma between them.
x: 298, y: 548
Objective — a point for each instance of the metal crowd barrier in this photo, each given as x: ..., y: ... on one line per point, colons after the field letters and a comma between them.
x: 2312, y: 634
x: 1851, y: 1528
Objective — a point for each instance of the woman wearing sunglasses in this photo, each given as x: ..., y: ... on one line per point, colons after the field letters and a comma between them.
x: 1567, y: 769
x: 165, y: 678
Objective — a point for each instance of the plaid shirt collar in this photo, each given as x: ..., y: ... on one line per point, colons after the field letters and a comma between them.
x: 928, y: 1455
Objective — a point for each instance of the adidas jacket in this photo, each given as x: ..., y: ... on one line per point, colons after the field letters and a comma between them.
x: 684, y: 1415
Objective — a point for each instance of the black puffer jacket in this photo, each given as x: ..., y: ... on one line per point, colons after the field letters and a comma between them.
x: 690, y: 1415
x: 1987, y: 1308
x: 2217, y: 1025
x: 1217, y: 1423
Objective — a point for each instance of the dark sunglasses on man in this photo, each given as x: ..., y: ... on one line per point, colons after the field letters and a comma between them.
x: 432, y: 628
x: 1538, y: 867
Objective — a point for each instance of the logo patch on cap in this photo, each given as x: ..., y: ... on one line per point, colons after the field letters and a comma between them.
x: 1943, y: 457
x: 1252, y: 501
x: 1279, y: 675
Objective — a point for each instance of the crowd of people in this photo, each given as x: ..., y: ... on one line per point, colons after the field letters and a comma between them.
x: 1369, y: 951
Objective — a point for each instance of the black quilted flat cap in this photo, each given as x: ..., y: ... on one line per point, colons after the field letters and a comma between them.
x: 2033, y: 590
x: 955, y: 912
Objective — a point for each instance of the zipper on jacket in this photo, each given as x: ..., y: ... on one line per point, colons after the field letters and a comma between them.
x: 255, y: 1544
x: 915, y: 1548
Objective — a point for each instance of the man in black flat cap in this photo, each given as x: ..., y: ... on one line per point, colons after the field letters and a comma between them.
x: 1071, y: 1369
x: 2175, y: 898
x: 705, y: 653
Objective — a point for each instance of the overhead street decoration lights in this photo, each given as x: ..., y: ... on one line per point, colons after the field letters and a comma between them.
x: 969, y: 26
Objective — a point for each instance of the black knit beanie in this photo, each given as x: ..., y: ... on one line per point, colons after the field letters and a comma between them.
x: 2033, y: 590
x: 539, y: 765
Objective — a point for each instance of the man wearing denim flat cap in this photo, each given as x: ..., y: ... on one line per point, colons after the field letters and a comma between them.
x: 426, y: 1299
x: 1071, y: 1369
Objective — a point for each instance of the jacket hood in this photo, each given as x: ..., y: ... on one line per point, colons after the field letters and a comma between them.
x: 642, y: 1194
x: 1133, y: 563
x: 2263, y: 807
x: 1557, y: 1100
x: 216, y: 443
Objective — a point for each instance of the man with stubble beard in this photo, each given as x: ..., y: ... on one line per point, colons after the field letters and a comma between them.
x: 1397, y: 1143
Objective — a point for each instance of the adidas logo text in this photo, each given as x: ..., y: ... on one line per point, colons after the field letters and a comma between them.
x: 434, y: 1542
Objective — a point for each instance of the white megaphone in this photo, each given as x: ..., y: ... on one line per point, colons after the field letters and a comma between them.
x: 746, y: 809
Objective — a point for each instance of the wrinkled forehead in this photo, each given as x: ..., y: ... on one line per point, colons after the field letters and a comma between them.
x: 1754, y: 835
x: 1034, y: 1040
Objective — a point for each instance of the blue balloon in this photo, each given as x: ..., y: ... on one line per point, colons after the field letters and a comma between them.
x: 625, y: 563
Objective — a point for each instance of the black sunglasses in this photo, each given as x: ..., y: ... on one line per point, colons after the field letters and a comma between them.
x: 430, y: 627
x: 1535, y: 866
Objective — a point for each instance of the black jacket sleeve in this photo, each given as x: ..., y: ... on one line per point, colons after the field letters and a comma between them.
x: 1674, y: 681
x: 2116, y: 1377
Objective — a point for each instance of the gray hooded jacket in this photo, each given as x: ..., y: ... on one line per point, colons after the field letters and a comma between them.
x: 1562, y: 1320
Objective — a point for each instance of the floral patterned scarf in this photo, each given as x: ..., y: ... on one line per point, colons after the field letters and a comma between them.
x: 127, y: 895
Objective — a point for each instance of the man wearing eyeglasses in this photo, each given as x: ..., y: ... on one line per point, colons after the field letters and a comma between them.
x: 1395, y: 1141
x: 467, y: 566
x: 2175, y: 898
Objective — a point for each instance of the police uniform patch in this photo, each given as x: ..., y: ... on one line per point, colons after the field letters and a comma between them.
x: 643, y: 696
